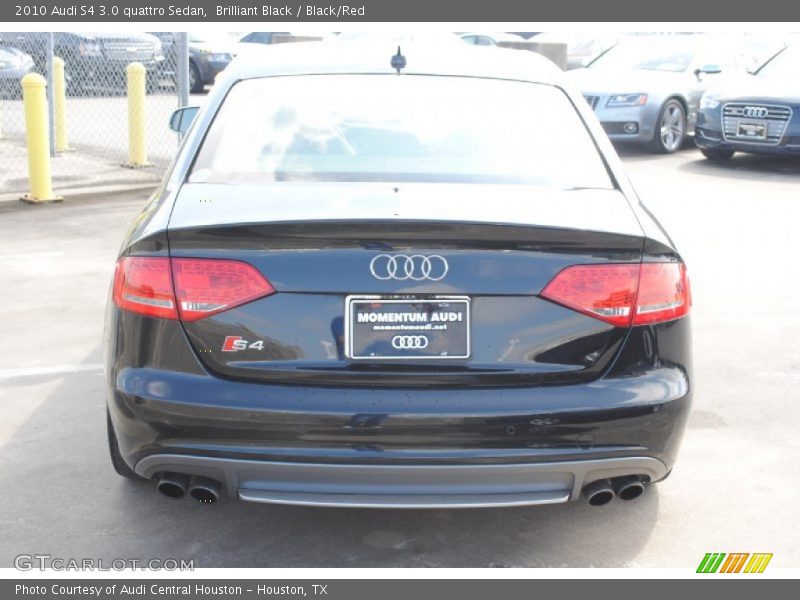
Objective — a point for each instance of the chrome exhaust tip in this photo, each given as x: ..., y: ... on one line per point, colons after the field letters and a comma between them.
x: 173, y: 485
x: 628, y: 488
x: 204, y: 490
x: 599, y: 492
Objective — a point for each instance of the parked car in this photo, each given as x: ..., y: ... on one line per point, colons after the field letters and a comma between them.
x: 209, y: 55
x: 490, y: 39
x: 14, y: 65
x: 169, y: 48
x: 320, y: 306
x: 647, y: 89
x: 261, y: 37
x: 582, y: 48
x: 759, y: 114
x: 96, y: 61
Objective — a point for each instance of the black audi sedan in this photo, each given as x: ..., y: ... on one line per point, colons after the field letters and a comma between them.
x: 383, y: 276
x: 759, y: 114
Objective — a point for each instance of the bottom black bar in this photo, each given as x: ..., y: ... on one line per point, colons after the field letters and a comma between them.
x: 396, y: 589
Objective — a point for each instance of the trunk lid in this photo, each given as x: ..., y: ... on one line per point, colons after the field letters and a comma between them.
x: 331, y: 249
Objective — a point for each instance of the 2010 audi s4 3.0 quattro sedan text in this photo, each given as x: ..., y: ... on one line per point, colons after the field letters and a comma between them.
x: 397, y: 277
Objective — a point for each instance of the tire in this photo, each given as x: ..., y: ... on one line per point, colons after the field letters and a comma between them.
x: 120, y: 466
x: 717, y: 154
x: 670, y: 128
x: 196, y: 84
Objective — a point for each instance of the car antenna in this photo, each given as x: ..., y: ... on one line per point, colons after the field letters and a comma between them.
x: 398, y: 61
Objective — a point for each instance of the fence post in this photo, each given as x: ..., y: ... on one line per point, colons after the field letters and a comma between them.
x: 51, y: 115
x: 182, y: 68
x: 37, y: 136
x: 137, y: 88
x: 60, y: 97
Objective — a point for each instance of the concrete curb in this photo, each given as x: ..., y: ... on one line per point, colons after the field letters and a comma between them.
x: 86, y: 192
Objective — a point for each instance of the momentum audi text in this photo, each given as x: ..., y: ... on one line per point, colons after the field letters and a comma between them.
x: 383, y: 276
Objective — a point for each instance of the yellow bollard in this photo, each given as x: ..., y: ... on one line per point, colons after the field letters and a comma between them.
x: 37, y: 135
x: 60, y: 99
x: 137, y: 147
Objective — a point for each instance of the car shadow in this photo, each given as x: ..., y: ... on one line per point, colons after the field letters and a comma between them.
x: 752, y: 167
x: 637, y: 152
x: 61, y: 497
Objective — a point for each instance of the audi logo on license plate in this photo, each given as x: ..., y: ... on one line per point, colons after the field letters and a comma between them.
x: 409, y: 342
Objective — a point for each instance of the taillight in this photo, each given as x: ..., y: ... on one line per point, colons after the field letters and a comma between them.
x: 623, y: 294
x: 201, y: 287
x: 206, y: 286
x: 144, y: 286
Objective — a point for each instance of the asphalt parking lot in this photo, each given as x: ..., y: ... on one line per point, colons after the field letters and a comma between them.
x: 735, y: 488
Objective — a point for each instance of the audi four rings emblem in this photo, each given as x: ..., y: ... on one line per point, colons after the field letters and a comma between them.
x: 409, y: 342
x: 404, y: 267
x: 755, y: 112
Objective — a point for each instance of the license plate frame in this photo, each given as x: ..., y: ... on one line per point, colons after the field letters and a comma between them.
x: 751, y: 130
x: 379, y: 346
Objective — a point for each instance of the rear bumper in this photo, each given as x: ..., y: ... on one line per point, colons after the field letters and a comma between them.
x: 402, y: 486
x: 435, y: 446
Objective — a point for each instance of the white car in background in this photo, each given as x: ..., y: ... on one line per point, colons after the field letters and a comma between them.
x: 490, y: 39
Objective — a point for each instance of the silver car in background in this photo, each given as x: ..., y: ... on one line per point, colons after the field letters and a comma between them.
x: 647, y: 89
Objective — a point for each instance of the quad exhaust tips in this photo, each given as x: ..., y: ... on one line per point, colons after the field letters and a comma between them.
x: 603, y: 491
x: 176, y: 485
x: 173, y: 485
x: 207, y: 491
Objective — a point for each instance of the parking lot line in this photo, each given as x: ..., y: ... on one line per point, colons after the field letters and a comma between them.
x: 51, y: 370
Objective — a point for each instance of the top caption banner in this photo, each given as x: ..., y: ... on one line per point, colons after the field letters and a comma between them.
x: 371, y: 11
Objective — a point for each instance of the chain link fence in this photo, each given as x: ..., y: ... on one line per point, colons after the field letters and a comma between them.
x: 96, y: 114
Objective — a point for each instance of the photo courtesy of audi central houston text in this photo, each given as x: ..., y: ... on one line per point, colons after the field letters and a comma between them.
x: 398, y: 272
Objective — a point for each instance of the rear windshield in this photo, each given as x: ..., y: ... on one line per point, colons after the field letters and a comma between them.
x: 398, y: 128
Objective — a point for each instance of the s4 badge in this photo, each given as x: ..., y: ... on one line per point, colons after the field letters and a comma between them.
x: 234, y: 343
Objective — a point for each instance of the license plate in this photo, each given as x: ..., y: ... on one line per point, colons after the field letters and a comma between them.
x: 756, y: 131
x: 401, y: 329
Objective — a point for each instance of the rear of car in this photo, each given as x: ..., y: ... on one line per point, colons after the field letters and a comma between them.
x: 94, y: 61
x: 366, y: 285
x: 757, y: 115
x: 14, y: 65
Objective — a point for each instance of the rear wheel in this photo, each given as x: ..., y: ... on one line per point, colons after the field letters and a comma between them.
x: 195, y: 81
x: 717, y: 154
x: 670, y: 128
x: 120, y: 466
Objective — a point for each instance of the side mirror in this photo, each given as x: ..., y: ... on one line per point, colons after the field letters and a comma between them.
x: 182, y: 118
x: 707, y: 70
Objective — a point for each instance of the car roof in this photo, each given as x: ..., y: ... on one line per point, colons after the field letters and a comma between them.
x: 448, y: 56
